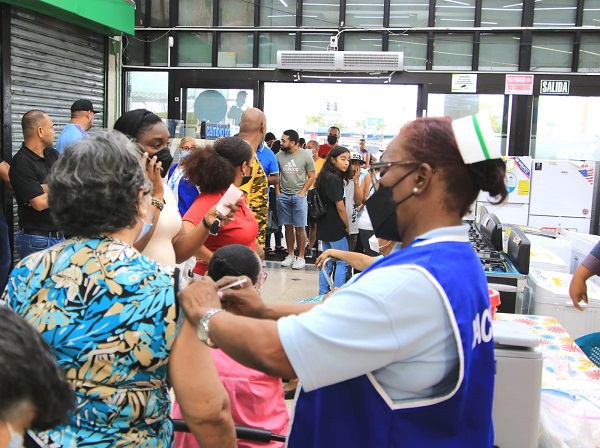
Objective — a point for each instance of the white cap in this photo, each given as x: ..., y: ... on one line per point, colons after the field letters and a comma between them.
x: 475, y: 138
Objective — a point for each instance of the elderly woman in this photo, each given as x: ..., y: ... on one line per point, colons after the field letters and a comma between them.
x: 404, y: 356
x: 110, y: 313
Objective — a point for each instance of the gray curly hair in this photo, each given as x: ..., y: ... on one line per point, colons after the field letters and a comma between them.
x: 93, y: 188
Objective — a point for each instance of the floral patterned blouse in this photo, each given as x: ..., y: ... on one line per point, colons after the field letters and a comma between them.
x: 110, y: 314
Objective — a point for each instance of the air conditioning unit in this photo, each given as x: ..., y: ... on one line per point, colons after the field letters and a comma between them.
x: 349, y: 61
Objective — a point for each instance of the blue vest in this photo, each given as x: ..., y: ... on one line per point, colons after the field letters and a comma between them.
x: 358, y: 413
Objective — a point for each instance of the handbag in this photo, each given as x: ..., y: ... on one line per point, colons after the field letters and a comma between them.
x: 272, y: 224
x: 316, y: 208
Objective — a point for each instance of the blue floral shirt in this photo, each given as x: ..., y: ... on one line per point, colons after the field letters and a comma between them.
x: 110, y: 315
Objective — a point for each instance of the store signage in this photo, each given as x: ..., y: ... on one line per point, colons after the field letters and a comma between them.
x: 518, y: 85
x: 214, y: 130
x: 465, y: 83
x: 555, y: 87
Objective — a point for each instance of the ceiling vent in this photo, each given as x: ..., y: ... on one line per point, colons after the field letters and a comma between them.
x: 349, y: 61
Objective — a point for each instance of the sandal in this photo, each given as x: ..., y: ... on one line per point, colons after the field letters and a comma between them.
x: 281, y: 249
x: 269, y: 251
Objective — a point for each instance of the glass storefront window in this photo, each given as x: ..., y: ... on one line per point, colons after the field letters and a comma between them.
x: 278, y: 13
x: 159, y: 48
x: 409, y: 15
x: 147, y: 90
x: 566, y: 128
x: 320, y: 13
x: 362, y: 42
x: 454, y: 13
x: 140, y: 13
x: 364, y: 13
x: 221, y: 109
x: 236, y: 13
x: 459, y: 105
x: 499, y: 52
x: 194, y: 49
x: 196, y: 12
x: 238, y: 46
x: 552, y: 52
x: 501, y: 13
x: 270, y: 43
x: 589, y: 53
x: 591, y: 13
x: 133, y: 51
x: 315, y: 41
x: 414, y: 47
x: 555, y: 13
x: 159, y: 13
x: 453, y: 52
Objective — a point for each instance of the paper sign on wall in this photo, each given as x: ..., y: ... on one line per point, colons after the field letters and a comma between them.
x: 464, y: 83
x: 518, y: 85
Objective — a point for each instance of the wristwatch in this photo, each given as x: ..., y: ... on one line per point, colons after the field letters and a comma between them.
x: 204, y: 329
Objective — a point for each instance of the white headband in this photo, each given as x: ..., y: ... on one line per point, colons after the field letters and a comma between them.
x: 475, y: 138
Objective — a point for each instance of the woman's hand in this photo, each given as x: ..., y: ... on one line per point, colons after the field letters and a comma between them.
x: 153, y: 170
x: 212, y: 213
x: 244, y: 300
x: 321, y: 258
x: 199, y: 297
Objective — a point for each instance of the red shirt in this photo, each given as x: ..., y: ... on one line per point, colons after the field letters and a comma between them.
x: 324, y: 150
x: 242, y: 230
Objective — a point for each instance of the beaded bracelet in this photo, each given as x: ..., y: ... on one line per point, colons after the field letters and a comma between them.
x: 158, y: 204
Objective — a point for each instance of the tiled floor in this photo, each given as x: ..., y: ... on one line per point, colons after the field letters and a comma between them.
x: 286, y: 285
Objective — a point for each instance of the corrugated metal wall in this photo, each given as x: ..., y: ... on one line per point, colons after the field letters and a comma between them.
x: 53, y: 64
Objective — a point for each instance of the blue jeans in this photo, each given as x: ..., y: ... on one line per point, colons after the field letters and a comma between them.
x: 341, y: 268
x: 5, y: 255
x: 26, y: 244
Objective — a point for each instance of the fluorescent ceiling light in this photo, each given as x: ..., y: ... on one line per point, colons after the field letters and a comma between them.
x: 456, y: 20
x: 280, y: 15
x: 284, y: 3
x: 369, y: 17
x: 458, y: 3
x: 489, y: 23
x: 510, y: 6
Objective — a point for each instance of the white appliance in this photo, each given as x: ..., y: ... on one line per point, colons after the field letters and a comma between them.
x: 547, y: 260
x: 517, y: 386
x: 564, y: 195
x: 554, y: 242
x: 582, y: 245
x: 515, y: 209
x: 550, y: 297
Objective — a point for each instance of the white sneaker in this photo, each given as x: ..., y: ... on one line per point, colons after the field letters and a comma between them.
x: 298, y: 263
x: 288, y: 261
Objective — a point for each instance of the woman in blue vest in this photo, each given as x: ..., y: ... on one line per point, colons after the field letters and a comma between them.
x: 404, y: 356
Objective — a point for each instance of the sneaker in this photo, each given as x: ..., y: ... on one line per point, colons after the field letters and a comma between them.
x: 288, y: 261
x: 308, y: 253
x: 298, y: 263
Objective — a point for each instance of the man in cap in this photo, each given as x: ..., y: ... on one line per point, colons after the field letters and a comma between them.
x: 82, y: 119
x: 353, y: 197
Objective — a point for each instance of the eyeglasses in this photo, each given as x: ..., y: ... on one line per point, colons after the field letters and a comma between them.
x: 187, y: 148
x: 379, y: 165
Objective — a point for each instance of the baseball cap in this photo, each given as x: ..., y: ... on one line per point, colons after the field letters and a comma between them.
x: 356, y: 156
x: 83, y: 105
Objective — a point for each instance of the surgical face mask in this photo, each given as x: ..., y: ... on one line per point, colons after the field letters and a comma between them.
x: 332, y: 139
x: 146, y: 226
x: 308, y: 150
x: 374, y: 243
x: 16, y: 440
x: 382, y: 210
x: 184, y: 154
x: 164, y: 156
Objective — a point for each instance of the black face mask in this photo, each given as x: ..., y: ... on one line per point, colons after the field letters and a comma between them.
x: 332, y: 139
x: 382, y: 211
x: 164, y: 156
x: 246, y: 179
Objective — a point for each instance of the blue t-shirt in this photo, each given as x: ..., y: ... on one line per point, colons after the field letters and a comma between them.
x: 184, y: 191
x: 70, y: 134
x: 267, y: 159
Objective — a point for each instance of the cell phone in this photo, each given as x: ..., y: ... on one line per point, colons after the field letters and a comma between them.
x: 148, y: 163
x: 327, y: 276
x: 238, y: 282
x: 232, y: 194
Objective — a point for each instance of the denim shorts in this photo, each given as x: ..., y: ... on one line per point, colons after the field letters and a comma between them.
x: 26, y: 244
x: 292, y: 209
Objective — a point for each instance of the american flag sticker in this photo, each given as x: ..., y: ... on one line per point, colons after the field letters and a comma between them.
x: 587, y: 171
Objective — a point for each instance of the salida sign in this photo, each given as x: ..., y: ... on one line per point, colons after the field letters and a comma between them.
x: 554, y: 87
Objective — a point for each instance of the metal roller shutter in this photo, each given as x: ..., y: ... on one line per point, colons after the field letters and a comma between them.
x: 53, y: 63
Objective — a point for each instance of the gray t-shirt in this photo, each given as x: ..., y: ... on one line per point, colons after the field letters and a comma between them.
x: 293, y: 170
